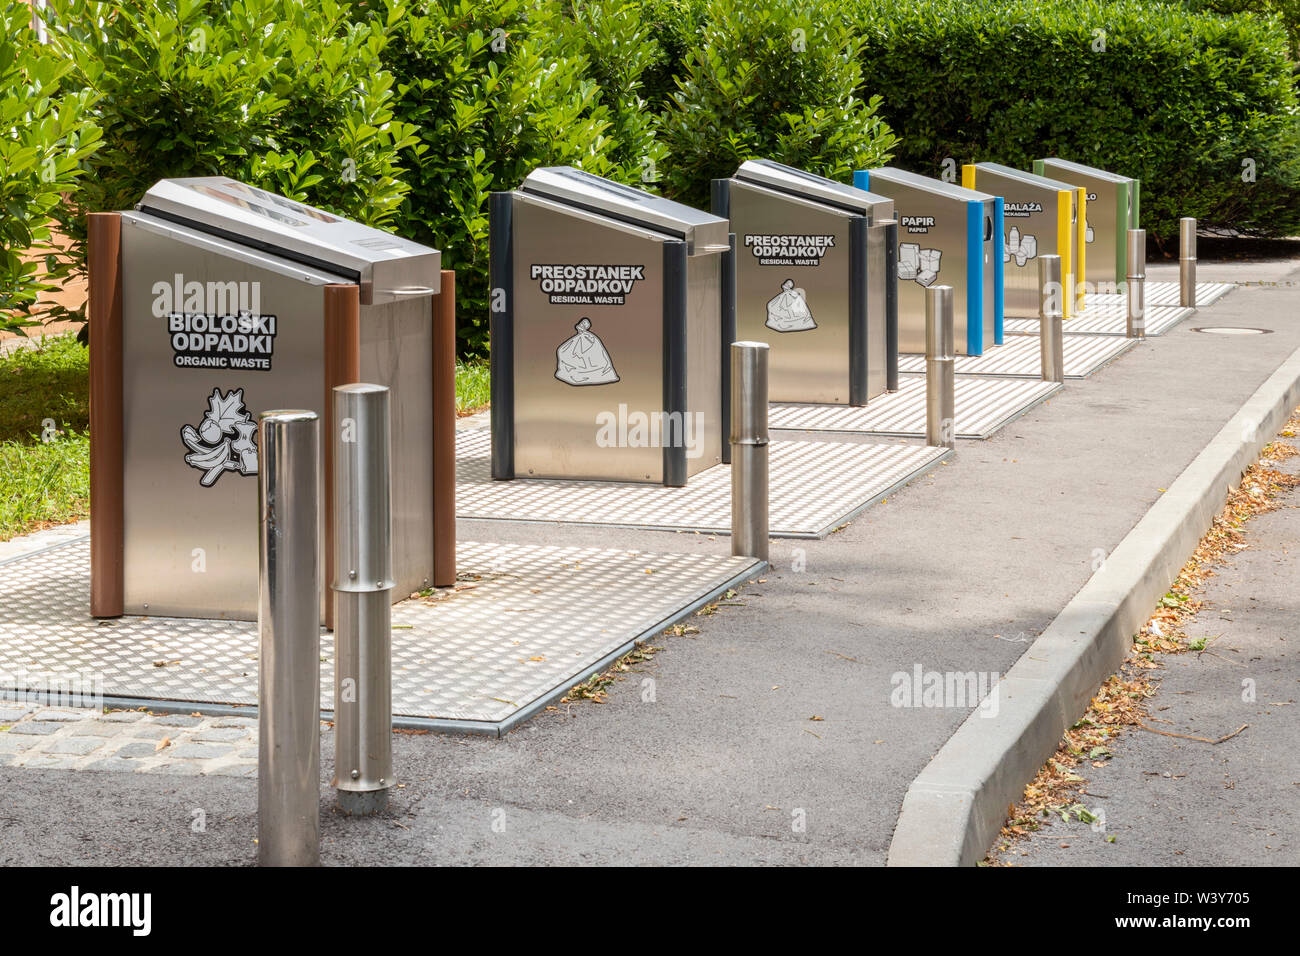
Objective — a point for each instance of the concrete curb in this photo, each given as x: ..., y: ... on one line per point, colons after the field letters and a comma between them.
x: 954, y: 808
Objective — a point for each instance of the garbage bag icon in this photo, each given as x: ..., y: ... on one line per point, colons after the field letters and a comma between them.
x: 1088, y: 234
x: 583, y: 360
x: 788, y: 310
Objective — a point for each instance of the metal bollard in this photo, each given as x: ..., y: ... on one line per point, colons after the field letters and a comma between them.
x: 1051, y: 314
x: 1187, y: 262
x: 1136, y: 325
x: 940, y: 368
x: 288, y: 617
x: 363, y: 580
x: 749, y: 483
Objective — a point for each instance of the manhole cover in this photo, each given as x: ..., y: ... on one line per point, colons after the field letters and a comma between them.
x: 1231, y: 330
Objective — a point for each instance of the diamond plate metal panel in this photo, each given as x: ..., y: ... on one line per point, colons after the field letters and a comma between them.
x: 815, y: 486
x: 1108, y: 318
x: 1167, y: 293
x: 1019, y: 357
x: 983, y: 405
x: 522, y: 623
x: 1105, y: 313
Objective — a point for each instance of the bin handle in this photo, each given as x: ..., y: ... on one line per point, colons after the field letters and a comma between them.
x: 412, y: 290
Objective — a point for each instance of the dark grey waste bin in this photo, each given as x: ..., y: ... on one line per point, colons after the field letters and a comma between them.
x: 816, y: 280
x: 608, y: 330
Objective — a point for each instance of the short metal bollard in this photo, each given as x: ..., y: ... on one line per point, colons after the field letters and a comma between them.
x: 1051, y: 315
x: 749, y: 474
x: 288, y: 617
x: 1136, y: 324
x: 1187, y: 262
x: 362, y: 586
x: 940, y: 368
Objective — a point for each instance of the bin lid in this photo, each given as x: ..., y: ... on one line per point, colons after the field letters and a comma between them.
x: 1020, y: 175
x: 388, y: 268
x: 798, y: 182
x: 703, y: 232
x: 890, y: 174
x: 1092, y: 171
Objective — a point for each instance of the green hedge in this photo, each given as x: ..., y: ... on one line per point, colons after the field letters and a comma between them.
x: 407, y: 114
x: 1176, y: 98
x: 45, y: 135
x: 496, y: 88
x: 288, y: 95
x: 776, y: 79
x: 1285, y: 12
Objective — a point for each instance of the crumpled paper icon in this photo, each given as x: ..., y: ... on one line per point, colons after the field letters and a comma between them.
x: 909, y: 260
x: 929, y: 271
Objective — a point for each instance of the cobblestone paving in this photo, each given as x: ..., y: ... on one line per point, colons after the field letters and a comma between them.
x: 126, y: 741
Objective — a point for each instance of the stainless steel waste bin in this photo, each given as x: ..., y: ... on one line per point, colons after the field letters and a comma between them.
x: 222, y: 300
x: 947, y: 235
x: 815, y: 279
x: 609, y: 330
x: 1111, y: 210
x: 1040, y: 217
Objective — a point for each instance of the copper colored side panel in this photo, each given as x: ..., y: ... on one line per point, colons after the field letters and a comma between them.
x: 342, y: 367
x: 105, y: 313
x: 444, y: 432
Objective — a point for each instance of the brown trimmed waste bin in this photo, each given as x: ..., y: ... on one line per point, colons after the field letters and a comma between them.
x: 212, y: 301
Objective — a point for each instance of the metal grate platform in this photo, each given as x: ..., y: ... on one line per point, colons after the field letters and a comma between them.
x: 1166, y: 293
x: 815, y: 487
x: 1105, y: 313
x: 983, y: 405
x: 524, y: 625
x: 1019, y: 357
x: 1109, y: 318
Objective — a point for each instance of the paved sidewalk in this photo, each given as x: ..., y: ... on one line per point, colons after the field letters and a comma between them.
x: 769, y: 735
x: 1174, y: 802
x: 129, y: 741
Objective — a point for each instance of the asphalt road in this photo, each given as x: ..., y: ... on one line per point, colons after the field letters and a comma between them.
x: 725, y: 761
